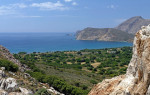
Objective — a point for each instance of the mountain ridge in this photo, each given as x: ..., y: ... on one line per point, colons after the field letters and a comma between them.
x: 104, y: 34
x: 123, y: 32
x: 133, y: 24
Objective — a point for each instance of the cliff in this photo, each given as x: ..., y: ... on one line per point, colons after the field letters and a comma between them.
x: 136, y: 81
x: 133, y: 24
x: 104, y: 34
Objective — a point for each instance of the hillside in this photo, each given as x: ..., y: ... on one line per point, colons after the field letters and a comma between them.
x: 15, y: 81
x: 136, y: 81
x: 104, y: 34
x: 133, y: 24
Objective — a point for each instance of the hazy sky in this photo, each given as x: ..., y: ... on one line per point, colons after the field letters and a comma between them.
x: 67, y: 15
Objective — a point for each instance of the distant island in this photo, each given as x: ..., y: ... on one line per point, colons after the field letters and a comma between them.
x: 123, y: 32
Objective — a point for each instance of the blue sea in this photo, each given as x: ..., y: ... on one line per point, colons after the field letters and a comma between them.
x: 47, y: 42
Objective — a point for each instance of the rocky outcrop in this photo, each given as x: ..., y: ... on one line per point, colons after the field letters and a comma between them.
x: 136, y: 81
x: 9, y: 85
x: 104, y: 34
x: 133, y: 24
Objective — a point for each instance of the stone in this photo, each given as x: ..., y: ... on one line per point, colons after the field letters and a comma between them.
x: 8, y: 84
x: 11, y: 84
x: 136, y: 81
x: 25, y: 91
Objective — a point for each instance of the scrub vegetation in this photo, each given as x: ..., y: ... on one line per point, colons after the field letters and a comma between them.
x: 76, y: 72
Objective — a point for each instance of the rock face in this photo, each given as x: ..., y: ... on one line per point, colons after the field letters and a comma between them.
x: 104, y: 34
x: 133, y: 24
x: 137, y: 79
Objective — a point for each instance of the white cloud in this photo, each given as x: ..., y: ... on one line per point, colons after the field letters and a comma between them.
x: 111, y: 6
x: 74, y: 3
x: 49, y: 6
x: 67, y: 0
x: 11, y: 8
x: 18, y: 5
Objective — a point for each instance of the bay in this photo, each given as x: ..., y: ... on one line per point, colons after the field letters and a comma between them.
x: 48, y: 42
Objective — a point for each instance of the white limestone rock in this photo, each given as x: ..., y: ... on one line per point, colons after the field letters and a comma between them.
x: 25, y: 91
x: 11, y: 84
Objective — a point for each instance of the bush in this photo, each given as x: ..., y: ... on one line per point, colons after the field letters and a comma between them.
x: 58, y: 84
x: 9, y: 66
x: 93, y: 82
x: 84, y: 87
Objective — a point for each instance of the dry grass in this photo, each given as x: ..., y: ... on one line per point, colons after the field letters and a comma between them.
x: 95, y: 64
x: 83, y: 63
x: 69, y: 63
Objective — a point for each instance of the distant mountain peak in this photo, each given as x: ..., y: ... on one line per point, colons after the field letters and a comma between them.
x: 132, y: 25
x: 137, y: 17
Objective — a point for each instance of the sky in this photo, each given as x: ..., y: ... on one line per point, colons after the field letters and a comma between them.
x: 67, y: 15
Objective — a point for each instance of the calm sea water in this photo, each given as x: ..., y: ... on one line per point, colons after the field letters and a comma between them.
x: 43, y: 42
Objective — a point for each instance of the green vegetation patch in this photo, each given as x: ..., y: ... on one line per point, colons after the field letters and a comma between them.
x: 9, y: 66
x: 78, y: 70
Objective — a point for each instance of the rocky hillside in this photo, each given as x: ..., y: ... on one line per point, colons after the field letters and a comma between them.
x: 133, y: 24
x: 5, y: 54
x: 136, y: 81
x: 104, y: 34
x: 15, y: 81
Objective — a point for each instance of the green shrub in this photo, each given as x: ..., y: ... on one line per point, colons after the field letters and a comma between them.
x: 58, y: 84
x: 9, y: 66
x: 93, y: 81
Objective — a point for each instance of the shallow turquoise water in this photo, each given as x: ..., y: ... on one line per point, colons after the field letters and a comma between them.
x: 43, y: 42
